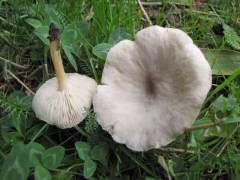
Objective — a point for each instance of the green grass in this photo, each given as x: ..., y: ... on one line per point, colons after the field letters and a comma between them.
x: 30, y: 148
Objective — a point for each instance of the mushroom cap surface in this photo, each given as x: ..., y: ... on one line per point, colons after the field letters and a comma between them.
x: 65, y: 108
x: 152, y: 88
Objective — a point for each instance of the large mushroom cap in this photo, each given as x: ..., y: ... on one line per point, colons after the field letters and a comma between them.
x: 68, y: 107
x: 152, y: 88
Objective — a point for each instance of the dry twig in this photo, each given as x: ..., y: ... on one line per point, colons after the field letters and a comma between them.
x: 144, y: 12
x: 13, y: 63
x: 22, y: 83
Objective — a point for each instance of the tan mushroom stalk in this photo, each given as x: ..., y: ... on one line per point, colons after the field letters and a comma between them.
x: 152, y: 88
x: 64, y: 99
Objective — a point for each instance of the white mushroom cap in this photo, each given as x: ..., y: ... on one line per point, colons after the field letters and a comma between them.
x: 152, y: 88
x: 65, y: 108
x: 63, y: 101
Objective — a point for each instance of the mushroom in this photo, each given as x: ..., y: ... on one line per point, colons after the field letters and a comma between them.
x: 63, y: 100
x: 152, y: 88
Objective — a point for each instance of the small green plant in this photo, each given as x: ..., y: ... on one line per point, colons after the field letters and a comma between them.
x: 72, y: 33
x: 16, y: 117
x: 25, y: 158
x: 231, y: 37
x: 101, y: 50
x: 89, y: 154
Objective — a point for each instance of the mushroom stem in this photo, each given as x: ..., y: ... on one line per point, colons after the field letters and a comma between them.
x: 56, y: 56
x: 58, y: 65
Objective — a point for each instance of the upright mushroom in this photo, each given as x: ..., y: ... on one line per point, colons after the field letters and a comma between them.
x: 63, y: 100
x: 152, y: 88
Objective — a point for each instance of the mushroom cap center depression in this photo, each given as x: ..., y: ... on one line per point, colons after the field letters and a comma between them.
x: 154, y: 76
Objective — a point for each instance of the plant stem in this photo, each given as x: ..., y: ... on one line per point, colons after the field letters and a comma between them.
x: 39, y: 133
x: 81, y: 131
x: 92, y: 66
x: 45, y: 53
x: 56, y: 57
x: 226, y: 82
x: 138, y: 162
x: 205, y: 126
x: 144, y: 12
x: 73, y: 166
x: 178, y: 150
